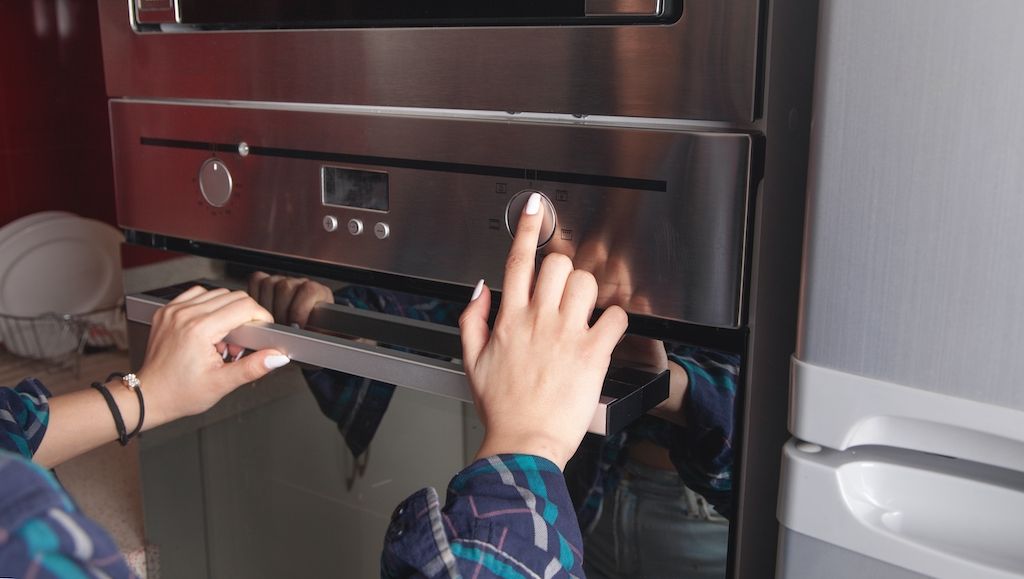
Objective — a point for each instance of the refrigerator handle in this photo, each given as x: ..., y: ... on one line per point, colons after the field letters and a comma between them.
x: 627, y: 394
x: 841, y: 410
x: 931, y: 514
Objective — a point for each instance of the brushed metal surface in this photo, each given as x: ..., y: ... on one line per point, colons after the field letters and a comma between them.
x: 659, y: 217
x: 703, y: 66
x: 155, y: 11
x: 912, y: 269
x: 619, y: 7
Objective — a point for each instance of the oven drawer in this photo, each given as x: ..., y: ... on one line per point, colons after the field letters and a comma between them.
x: 427, y: 362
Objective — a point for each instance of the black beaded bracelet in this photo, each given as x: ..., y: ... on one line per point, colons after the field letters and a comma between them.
x: 122, y: 437
x: 142, y: 404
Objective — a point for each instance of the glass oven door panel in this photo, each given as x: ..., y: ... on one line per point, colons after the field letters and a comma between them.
x: 275, y: 492
x: 270, y: 470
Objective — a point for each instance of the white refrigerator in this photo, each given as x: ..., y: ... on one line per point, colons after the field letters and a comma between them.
x: 907, y: 405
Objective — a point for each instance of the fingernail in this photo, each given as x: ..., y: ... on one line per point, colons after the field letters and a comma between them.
x: 224, y: 354
x: 238, y: 355
x: 477, y: 290
x: 533, y: 204
x: 272, y: 362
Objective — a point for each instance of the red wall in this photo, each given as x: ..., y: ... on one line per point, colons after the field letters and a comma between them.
x: 54, y: 130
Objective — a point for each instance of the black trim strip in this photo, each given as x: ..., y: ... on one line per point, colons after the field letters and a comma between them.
x: 442, y: 166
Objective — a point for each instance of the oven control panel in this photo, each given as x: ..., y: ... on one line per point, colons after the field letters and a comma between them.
x: 658, y: 216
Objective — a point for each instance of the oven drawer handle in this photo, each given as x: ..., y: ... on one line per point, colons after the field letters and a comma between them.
x: 627, y: 393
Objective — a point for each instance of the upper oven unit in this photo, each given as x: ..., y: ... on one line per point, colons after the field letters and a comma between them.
x: 679, y: 59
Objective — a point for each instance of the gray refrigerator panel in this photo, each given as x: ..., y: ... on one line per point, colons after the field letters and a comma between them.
x: 803, y: 557
x: 913, y: 269
x: 911, y: 322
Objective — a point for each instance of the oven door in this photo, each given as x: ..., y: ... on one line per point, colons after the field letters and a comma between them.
x: 296, y: 475
x: 692, y: 59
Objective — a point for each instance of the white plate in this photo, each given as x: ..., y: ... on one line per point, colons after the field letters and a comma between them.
x: 17, y: 225
x: 66, y: 265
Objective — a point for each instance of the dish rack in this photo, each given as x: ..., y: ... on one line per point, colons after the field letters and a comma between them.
x: 57, y: 341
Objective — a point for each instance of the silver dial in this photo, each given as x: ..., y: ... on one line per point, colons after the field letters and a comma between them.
x: 215, y: 182
x: 514, y: 210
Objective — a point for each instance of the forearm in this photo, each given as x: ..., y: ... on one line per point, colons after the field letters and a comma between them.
x: 81, y: 421
x: 672, y: 408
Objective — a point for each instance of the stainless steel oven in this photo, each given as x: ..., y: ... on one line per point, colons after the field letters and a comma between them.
x: 376, y: 145
x: 696, y: 59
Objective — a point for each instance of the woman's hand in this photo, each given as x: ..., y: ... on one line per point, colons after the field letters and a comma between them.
x: 537, y: 377
x: 185, y: 371
x: 289, y: 299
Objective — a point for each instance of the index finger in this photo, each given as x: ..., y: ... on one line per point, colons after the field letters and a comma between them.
x: 196, y: 290
x: 519, y: 267
x: 237, y: 313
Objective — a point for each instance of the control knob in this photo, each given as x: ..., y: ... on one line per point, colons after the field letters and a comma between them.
x: 514, y: 210
x: 215, y: 182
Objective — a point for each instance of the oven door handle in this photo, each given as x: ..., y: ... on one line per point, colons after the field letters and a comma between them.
x: 627, y: 393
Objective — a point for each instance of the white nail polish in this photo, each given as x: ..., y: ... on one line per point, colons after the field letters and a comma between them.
x: 272, y: 362
x: 477, y: 290
x: 533, y: 204
x: 238, y: 355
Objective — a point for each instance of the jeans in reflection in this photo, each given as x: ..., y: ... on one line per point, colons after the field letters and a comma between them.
x: 654, y: 527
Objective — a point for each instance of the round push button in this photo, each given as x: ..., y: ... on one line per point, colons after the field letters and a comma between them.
x: 355, y: 226
x: 514, y: 210
x: 330, y: 223
x: 215, y: 182
x: 381, y: 230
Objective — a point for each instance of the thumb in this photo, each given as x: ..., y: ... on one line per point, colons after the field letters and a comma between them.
x: 473, y: 324
x: 253, y: 367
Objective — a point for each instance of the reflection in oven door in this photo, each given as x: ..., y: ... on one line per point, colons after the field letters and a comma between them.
x: 298, y: 472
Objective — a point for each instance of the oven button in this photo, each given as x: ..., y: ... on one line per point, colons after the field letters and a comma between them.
x: 215, y: 182
x: 381, y: 230
x: 355, y: 226
x: 330, y: 223
x: 514, y: 209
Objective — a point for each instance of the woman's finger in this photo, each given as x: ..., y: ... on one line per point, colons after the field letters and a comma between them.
x: 608, y: 329
x: 473, y: 325
x: 235, y: 313
x: 554, y: 271
x: 207, y: 296
x: 306, y: 298
x: 255, y: 280
x: 266, y: 293
x: 284, y: 294
x: 579, y: 297
x: 187, y: 294
x: 519, y: 267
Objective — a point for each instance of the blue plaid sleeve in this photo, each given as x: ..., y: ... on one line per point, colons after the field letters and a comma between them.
x: 702, y: 450
x: 24, y: 414
x: 506, y: 516
x: 42, y: 533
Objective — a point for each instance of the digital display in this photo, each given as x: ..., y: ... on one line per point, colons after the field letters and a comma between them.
x: 354, y: 188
